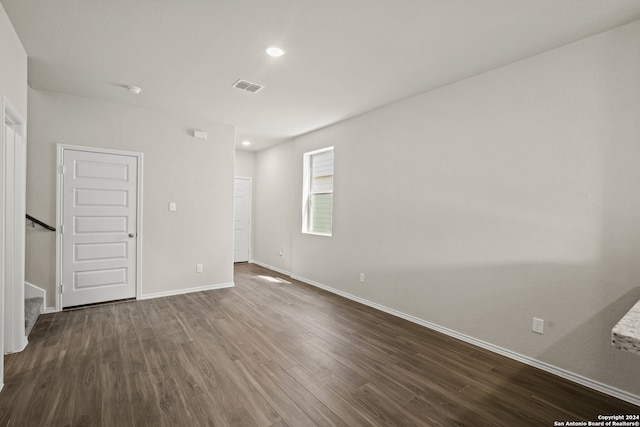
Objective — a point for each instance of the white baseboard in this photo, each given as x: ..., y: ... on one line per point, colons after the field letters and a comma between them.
x: 186, y: 291
x: 563, y: 373
x: 23, y: 345
x: 270, y: 267
x: 167, y: 293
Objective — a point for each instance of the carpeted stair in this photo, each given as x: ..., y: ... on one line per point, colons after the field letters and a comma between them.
x: 32, y: 309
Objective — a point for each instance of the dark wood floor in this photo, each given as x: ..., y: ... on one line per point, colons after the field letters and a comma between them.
x: 271, y: 352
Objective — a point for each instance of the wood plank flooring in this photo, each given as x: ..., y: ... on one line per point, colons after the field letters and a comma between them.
x: 272, y: 352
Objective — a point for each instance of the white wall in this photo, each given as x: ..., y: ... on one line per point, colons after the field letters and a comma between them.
x: 275, y: 188
x: 245, y: 163
x: 196, y: 174
x: 13, y: 65
x: 13, y: 85
x: 484, y: 203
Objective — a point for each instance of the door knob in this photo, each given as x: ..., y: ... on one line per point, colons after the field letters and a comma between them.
x: 130, y: 234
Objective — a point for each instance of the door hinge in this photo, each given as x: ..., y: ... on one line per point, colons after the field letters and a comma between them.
x: 62, y: 229
x: 61, y: 288
x: 61, y: 169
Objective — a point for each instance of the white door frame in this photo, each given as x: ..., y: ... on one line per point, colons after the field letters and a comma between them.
x: 250, y: 212
x: 13, y: 319
x: 59, y: 192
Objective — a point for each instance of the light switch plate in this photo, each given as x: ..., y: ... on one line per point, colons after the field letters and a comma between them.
x: 538, y: 326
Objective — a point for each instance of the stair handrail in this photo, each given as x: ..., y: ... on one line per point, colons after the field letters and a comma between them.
x: 40, y: 223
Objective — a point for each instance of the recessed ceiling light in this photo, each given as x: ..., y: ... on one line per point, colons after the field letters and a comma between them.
x: 134, y: 90
x: 246, y: 143
x: 274, y: 51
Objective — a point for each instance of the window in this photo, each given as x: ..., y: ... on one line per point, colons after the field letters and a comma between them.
x: 317, y: 203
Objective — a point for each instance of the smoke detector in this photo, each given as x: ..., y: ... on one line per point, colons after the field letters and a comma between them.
x: 248, y: 86
x: 134, y: 90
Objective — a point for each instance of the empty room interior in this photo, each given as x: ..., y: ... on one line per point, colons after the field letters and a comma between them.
x: 338, y: 212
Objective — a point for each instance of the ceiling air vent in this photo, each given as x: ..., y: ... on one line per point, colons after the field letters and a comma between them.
x: 248, y: 86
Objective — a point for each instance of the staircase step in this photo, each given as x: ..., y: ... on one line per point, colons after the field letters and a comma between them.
x: 32, y: 309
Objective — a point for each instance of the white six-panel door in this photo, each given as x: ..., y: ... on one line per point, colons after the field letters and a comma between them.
x: 99, y: 227
x: 242, y: 219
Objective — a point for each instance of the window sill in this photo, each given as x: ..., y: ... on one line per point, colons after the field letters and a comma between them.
x: 315, y: 233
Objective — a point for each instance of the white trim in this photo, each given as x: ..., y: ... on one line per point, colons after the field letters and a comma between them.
x: 58, y: 226
x: 187, y: 291
x: 33, y: 291
x: 2, y: 225
x: 307, y: 172
x: 317, y: 233
x: 167, y: 293
x: 59, y: 190
x: 270, y: 267
x: 139, y: 223
x: 23, y: 344
x: 563, y: 373
x: 16, y: 341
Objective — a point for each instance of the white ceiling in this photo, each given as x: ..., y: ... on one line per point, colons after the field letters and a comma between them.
x: 344, y: 57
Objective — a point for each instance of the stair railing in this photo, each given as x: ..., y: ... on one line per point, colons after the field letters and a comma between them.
x: 35, y: 221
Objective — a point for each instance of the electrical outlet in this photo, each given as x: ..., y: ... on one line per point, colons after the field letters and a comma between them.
x: 172, y: 206
x: 198, y: 268
x: 361, y: 277
x: 538, y: 326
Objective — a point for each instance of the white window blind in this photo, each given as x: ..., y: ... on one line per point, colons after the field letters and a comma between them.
x: 318, y: 204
